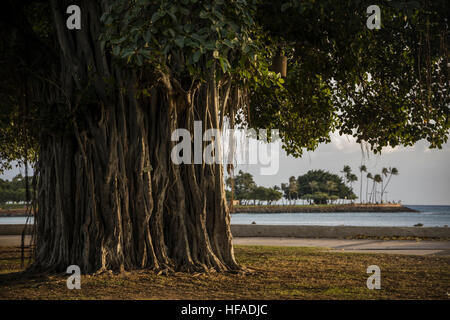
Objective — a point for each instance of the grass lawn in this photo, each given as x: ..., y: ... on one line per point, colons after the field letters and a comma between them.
x: 278, y: 273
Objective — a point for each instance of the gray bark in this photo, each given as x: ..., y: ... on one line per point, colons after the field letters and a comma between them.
x: 110, y: 197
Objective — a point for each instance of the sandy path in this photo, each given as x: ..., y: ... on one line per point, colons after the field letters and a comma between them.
x: 354, y: 245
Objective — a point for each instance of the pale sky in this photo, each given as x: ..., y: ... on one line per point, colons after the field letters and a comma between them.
x: 424, y: 174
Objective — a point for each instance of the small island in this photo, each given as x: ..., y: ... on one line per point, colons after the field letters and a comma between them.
x: 387, y: 207
x: 318, y: 190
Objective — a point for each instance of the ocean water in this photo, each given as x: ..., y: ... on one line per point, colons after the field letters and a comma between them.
x: 15, y: 220
x: 429, y: 216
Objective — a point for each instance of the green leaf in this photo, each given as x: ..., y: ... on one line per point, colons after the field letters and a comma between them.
x: 223, y: 64
x: 188, y: 28
x: 179, y: 42
x: 228, y: 43
x: 155, y: 17
x: 139, y: 60
x: 172, y: 33
x: 196, y: 56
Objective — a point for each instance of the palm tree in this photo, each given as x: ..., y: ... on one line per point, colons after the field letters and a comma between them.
x: 392, y: 172
x: 376, y: 180
x: 331, y: 186
x: 346, y: 171
x: 313, y: 185
x: 362, y: 169
x: 352, y: 178
x: 293, y: 187
x: 384, y: 172
x: 284, y: 188
x: 368, y: 177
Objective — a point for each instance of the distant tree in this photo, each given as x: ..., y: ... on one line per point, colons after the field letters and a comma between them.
x: 331, y: 186
x: 392, y: 172
x: 308, y: 197
x: 322, y: 181
x: 259, y: 194
x: 285, y: 189
x: 362, y: 169
x: 346, y: 171
x: 384, y: 174
x: 244, y: 185
x: 320, y: 197
x: 352, y: 197
x: 313, y: 185
x: 247, y: 190
x: 377, y: 179
x: 273, y: 194
x: 368, y: 177
x: 293, y: 188
x: 333, y: 198
x: 351, y: 178
x: 14, y: 190
x: 228, y: 195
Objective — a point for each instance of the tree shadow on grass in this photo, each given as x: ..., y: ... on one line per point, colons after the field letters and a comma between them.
x: 15, y: 275
x: 23, y: 279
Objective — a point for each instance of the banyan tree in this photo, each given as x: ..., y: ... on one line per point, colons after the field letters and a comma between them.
x: 93, y: 109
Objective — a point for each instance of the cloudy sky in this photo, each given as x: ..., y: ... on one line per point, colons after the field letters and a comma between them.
x: 424, y: 174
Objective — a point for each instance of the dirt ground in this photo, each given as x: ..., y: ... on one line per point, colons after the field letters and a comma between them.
x: 277, y: 273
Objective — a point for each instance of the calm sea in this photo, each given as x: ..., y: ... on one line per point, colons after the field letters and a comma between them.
x: 429, y: 216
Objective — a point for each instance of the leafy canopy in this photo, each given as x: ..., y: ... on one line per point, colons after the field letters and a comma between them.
x: 325, y: 182
x: 386, y: 87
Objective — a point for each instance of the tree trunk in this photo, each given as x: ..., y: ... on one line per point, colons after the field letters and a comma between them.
x: 360, y: 189
x: 367, y: 190
x: 110, y: 198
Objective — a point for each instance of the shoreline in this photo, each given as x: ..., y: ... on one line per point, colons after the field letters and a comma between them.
x: 301, y: 231
x: 321, y: 208
x: 337, y: 232
x: 279, y: 209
